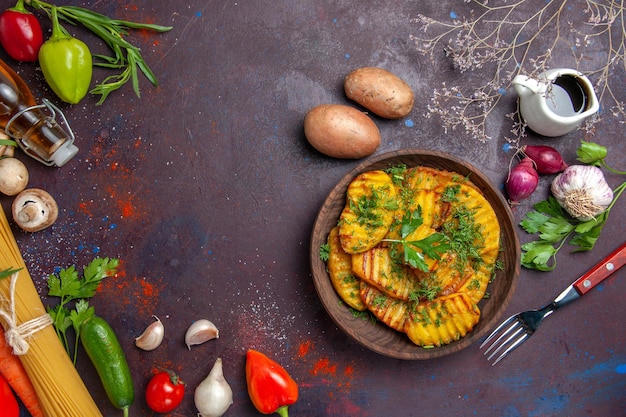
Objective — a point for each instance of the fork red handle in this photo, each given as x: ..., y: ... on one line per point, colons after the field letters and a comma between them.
x: 602, y: 270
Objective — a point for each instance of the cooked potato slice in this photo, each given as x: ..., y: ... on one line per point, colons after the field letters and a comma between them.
x: 442, y: 320
x: 445, y: 277
x: 476, y: 286
x: 433, y: 179
x: 475, y: 204
x: 346, y: 284
x: 377, y: 268
x: 368, y: 213
x: 389, y: 310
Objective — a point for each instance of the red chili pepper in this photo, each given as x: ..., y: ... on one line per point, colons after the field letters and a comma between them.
x: 270, y: 387
x: 20, y: 33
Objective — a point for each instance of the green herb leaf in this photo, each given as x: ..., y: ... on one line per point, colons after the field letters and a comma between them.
x: 68, y: 286
x: 533, y: 221
x: 411, y: 221
x: 430, y: 246
x: 324, y: 252
x: 591, y: 153
x: 397, y: 173
x: 65, y: 286
x: 537, y: 255
x: 8, y: 272
x: 81, y: 313
x: 555, y: 229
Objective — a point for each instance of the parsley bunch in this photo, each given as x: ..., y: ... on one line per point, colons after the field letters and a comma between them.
x: 554, y: 226
x: 68, y: 286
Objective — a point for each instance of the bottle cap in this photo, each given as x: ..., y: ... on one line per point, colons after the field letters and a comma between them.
x: 65, y: 152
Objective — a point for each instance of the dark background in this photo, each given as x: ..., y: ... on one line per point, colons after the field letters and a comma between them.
x: 207, y: 190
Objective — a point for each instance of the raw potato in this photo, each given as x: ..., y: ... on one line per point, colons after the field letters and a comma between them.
x: 341, y: 131
x: 379, y: 91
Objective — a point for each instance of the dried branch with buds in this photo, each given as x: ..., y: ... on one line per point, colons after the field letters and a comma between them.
x: 509, y: 39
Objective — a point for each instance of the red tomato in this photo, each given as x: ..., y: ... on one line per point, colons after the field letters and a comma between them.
x: 9, y: 406
x: 165, y: 392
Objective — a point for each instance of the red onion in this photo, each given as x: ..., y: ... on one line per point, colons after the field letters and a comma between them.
x: 522, y: 181
x: 547, y: 159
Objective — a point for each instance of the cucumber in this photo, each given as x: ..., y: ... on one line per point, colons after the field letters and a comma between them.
x: 107, y: 356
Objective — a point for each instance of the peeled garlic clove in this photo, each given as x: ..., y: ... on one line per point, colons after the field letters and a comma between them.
x: 152, y: 337
x: 200, y: 331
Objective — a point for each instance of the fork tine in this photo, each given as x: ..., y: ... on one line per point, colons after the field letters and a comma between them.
x: 511, y: 348
x: 495, y: 332
x: 500, y: 345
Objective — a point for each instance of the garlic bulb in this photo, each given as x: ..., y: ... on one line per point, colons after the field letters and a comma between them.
x: 214, y: 395
x: 152, y: 337
x: 200, y: 331
x: 582, y: 191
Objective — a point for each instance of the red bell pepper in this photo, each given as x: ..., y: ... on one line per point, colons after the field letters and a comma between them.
x: 271, y: 388
x: 20, y: 33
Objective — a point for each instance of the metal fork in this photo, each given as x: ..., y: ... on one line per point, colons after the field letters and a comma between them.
x: 519, y: 327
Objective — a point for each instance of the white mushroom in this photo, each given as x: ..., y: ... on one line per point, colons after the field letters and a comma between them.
x: 8, y: 148
x: 13, y: 176
x: 34, y: 210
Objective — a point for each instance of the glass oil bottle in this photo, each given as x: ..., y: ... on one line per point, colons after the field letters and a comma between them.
x: 40, y: 136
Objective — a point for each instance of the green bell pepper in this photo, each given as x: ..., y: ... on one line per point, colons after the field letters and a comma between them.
x: 66, y: 63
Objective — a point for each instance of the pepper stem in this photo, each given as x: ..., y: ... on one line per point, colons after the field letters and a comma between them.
x: 19, y: 7
x: 283, y: 411
x: 58, y: 31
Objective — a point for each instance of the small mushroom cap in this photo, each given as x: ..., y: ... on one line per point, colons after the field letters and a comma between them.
x: 13, y: 176
x: 34, y: 210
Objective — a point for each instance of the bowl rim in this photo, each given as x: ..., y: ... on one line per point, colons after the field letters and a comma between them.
x: 341, y: 315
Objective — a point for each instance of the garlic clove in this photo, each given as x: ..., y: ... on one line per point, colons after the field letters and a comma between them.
x: 201, y: 331
x: 152, y: 337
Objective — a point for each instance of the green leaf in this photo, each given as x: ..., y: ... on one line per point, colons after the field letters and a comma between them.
x: 591, y: 153
x: 81, y: 313
x: 537, y: 255
x: 555, y: 229
x: 584, y: 242
x: 533, y: 221
x: 60, y: 317
x: 397, y: 173
x: 586, y: 237
x: 324, y: 252
x: 432, y: 245
x: 415, y: 259
x: 65, y: 285
x: 8, y: 272
x: 550, y: 207
x: 411, y: 221
x: 94, y: 273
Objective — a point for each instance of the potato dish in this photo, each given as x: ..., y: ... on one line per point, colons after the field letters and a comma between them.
x: 416, y: 247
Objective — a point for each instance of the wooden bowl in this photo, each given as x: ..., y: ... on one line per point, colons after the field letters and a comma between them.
x: 377, y: 336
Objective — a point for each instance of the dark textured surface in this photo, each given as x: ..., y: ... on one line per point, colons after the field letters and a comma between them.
x: 207, y: 190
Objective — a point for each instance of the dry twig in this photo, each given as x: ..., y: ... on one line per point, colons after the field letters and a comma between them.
x: 504, y: 41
